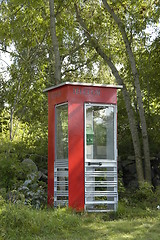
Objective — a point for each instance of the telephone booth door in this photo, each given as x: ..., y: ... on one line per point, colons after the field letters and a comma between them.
x: 100, y: 157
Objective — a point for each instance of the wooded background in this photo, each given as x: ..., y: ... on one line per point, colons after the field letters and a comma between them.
x: 49, y: 42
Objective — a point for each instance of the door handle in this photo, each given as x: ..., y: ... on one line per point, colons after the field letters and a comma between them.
x: 96, y: 163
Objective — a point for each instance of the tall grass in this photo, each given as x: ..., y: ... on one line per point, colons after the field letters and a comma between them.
x: 23, y: 222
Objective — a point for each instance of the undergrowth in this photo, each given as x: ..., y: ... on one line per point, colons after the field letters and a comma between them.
x: 19, y: 221
x: 136, y: 218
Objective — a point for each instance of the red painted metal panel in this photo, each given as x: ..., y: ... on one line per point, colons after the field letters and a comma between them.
x: 76, y: 155
x: 92, y: 94
x: 58, y: 95
x: 51, y: 150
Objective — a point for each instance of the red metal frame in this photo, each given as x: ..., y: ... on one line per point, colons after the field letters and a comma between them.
x: 76, y: 94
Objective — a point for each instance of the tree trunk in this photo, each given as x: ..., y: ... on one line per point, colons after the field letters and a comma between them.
x: 57, y: 73
x: 130, y: 112
x: 138, y: 91
x: 11, y: 125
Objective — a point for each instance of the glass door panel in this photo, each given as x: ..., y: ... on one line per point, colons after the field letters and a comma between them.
x: 100, y: 157
x: 100, y: 130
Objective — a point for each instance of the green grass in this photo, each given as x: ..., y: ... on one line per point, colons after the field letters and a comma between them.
x: 22, y: 222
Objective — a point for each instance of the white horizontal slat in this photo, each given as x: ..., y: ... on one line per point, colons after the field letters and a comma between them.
x: 100, y: 210
x: 101, y: 183
x: 101, y: 193
x: 61, y: 194
x: 61, y: 174
x: 99, y: 202
x: 61, y: 182
x: 96, y: 189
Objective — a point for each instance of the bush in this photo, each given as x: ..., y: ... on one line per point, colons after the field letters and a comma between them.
x: 10, y: 171
x: 34, y: 191
x: 17, y: 183
x: 144, y: 197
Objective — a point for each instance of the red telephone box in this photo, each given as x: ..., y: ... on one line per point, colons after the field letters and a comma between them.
x: 82, y: 146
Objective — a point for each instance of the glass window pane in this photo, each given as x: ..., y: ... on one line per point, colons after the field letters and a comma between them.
x: 62, y: 131
x: 99, y: 132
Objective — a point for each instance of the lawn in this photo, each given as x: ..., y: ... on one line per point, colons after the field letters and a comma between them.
x: 22, y: 222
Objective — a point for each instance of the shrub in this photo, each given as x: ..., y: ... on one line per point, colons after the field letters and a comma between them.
x: 143, y: 197
x: 10, y: 171
x: 34, y: 191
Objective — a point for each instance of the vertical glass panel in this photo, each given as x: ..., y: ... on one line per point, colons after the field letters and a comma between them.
x: 62, y: 131
x: 61, y: 157
x: 99, y: 132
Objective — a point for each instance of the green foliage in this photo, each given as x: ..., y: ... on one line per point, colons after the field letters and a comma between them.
x: 23, y: 222
x: 150, y: 82
x: 26, y: 26
x: 2, y: 203
x: 34, y: 191
x: 145, y: 192
x: 144, y: 198
x: 17, y: 183
x: 10, y: 171
x: 121, y: 188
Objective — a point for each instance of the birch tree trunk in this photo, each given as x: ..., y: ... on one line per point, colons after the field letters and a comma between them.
x: 138, y: 91
x: 130, y: 112
x: 57, y: 73
x: 11, y: 125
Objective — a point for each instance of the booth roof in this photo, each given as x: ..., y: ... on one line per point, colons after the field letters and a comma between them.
x: 82, y: 84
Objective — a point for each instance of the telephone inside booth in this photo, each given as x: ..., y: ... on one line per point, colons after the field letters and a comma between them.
x: 89, y: 134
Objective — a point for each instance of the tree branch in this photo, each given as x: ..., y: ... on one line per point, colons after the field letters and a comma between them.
x: 98, y: 49
x: 73, y: 50
x: 11, y: 53
x: 79, y: 66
